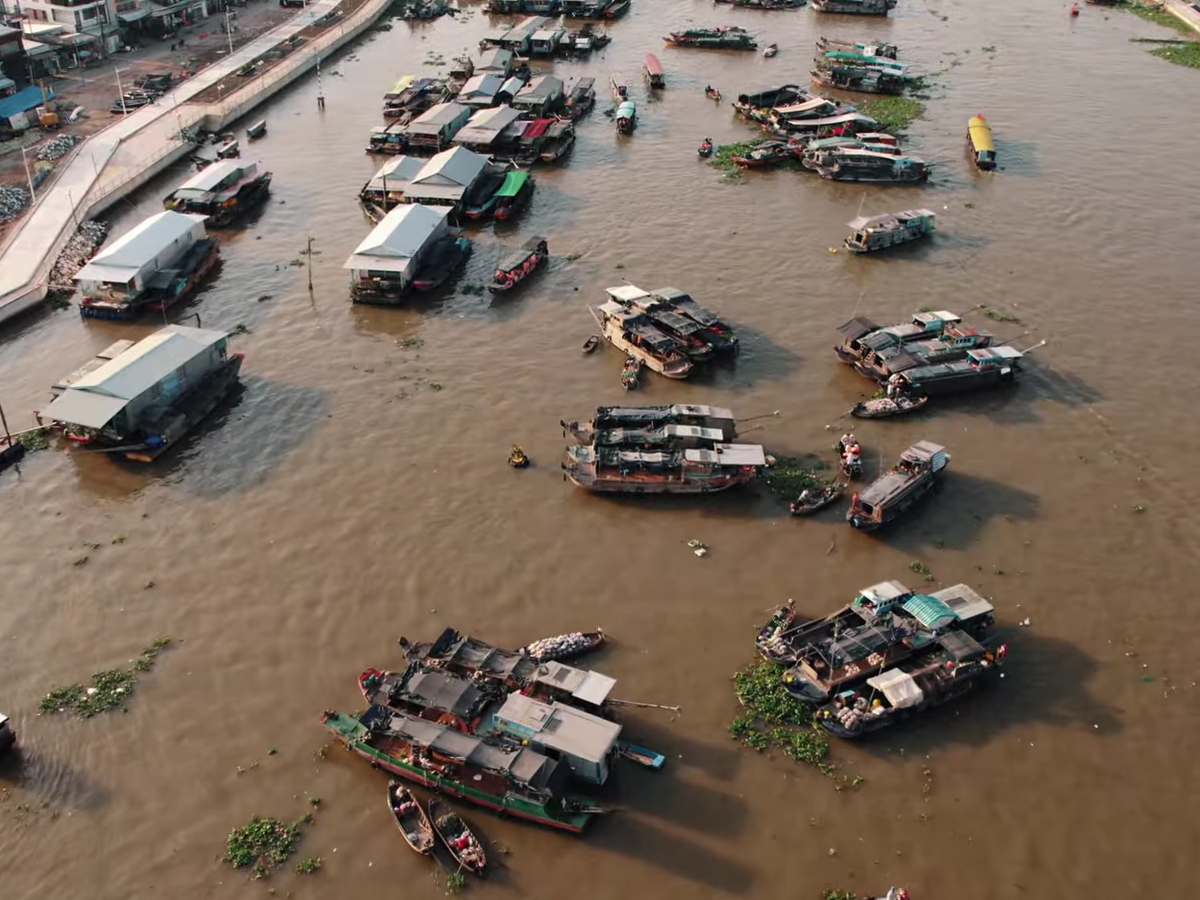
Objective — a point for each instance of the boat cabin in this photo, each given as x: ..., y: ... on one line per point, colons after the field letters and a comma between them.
x: 435, y: 128
x: 519, y: 38
x: 387, y: 259
x: 541, y: 96
x: 221, y: 191
x: 112, y: 401
x: 979, y: 136
x: 554, y: 680
x: 484, y: 129
x: 621, y: 417
x: 480, y: 90
x: 470, y: 656
x: 121, y: 273
x: 880, y: 232
x: 982, y: 367
x: 495, y: 60
x: 436, y: 695
x: 581, y: 96
x: 582, y: 741
x: 450, y: 178
x: 890, y: 494
x: 546, y: 41
x: 112, y: 351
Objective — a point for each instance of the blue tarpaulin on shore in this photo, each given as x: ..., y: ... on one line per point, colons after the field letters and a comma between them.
x: 22, y: 100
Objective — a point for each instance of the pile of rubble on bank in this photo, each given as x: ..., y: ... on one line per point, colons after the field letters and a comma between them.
x: 78, y: 251
x: 13, y: 199
x: 57, y: 148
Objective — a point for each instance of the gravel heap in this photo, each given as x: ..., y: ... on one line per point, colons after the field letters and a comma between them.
x: 78, y: 251
x: 13, y: 199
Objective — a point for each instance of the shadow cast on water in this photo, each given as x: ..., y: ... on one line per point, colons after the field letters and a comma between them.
x: 632, y: 836
x: 54, y: 782
x: 720, y: 761
x: 1045, y: 683
x: 743, y: 502
x: 1017, y: 158
x: 955, y: 511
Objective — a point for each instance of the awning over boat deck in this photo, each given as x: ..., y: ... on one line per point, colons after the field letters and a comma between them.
x: 590, y: 687
x: 730, y: 455
x: 899, y: 688
x: 133, y: 16
x: 930, y: 611
x: 84, y: 408
x: 438, y: 690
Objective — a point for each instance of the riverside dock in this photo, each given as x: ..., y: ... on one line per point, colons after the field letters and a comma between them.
x: 127, y: 154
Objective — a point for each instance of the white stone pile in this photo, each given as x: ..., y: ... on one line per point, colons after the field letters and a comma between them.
x: 57, y: 148
x: 13, y: 199
x: 78, y: 251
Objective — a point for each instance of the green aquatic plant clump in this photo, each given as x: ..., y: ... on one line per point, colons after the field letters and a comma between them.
x: 109, y: 689
x: 264, y: 843
x: 788, y: 476
x: 893, y: 113
x: 1187, y: 55
x: 722, y: 157
x: 772, y: 717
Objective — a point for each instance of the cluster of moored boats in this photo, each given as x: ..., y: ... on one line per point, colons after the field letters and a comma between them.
x: 867, y: 68
x: 515, y: 731
x: 889, y: 654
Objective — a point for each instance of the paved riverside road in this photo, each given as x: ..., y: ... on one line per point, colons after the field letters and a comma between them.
x: 111, y: 157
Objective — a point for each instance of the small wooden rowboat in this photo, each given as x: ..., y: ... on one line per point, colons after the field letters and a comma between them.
x: 631, y: 372
x: 818, y: 498
x: 566, y: 646
x: 410, y: 819
x: 454, y: 833
x: 884, y: 407
x: 590, y: 345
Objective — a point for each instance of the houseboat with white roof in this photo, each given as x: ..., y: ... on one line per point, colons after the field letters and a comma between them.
x: 410, y: 249
x: 457, y: 178
x: 616, y: 470
x: 223, y: 192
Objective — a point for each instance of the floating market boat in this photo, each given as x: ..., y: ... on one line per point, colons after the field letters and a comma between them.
x: 850, y: 456
x: 518, y: 266
x: 410, y: 819
x: 630, y: 373
x: 257, y: 130
x: 511, y: 780
x: 591, y: 344
x: 845, y: 124
x: 815, y: 498
x: 653, y: 70
x: 637, y: 335
x: 869, y: 166
x: 614, y: 470
x: 866, y: 58
x: 770, y: 50
x: 447, y: 255
x: 581, y: 97
x: 871, y: 233
x: 632, y: 418
x: 458, y: 838
x: 705, y: 150
x: 764, y: 155
x: 512, y: 194
x: 144, y: 400
x: 698, y: 342
x: 884, y: 625
x: 855, y: 7
x: 885, y: 407
x: 979, y: 139
x: 626, y: 117
x: 890, y: 496
x: 222, y: 192
x: 8, y: 737
x: 758, y: 106
x: 953, y: 345
x: 470, y: 656
x: 565, y: 646
x: 869, y: 48
x: 728, y: 37
x: 863, y: 79
x: 813, y: 107
x: 957, y: 666
x: 663, y: 437
x: 982, y: 368
x: 861, y: 337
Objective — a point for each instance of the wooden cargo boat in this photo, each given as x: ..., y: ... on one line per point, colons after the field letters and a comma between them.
x: 470, y: 656
x: 520, y: 265
x: 143, y: 401
x: 812, y: 500
x: 446, y: 257
x: 728, y: 37
x: 626, y: 117
x: 866, y: 58
x: 581, y: 97
x: 979, y: 140
x: 871, y: 233
x: 957, y: 666
x: 868, y: 166
x: 637, y: 335
x: 557, y: 142
x: 871, y: 48
x: 984, y: 367
x: 222, y: 192
x: 457, y: 837
x: 764, y: 155
x: 845, y: 124
x: 863, y: 79
x: 653, y: 70
x: 257, y: 130
x: 698, y: 343
x: 861, y: 337
x: 886, y: 407
x: 505, y: 200
x: 956, y: 341
x: 512, y: 781
x: 889, y: 496
x: 758, y: 106
x: 718, y: 332
x: 565, y: 646
x: 855, y: 7
x: 613, y: 470
x: 662, y: 437
x: 885, y: 624
x: 628, y: 418
x: 410, y: 819
x: 814, y: 107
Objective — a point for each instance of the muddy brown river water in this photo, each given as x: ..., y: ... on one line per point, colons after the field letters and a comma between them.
x: 356, y: 491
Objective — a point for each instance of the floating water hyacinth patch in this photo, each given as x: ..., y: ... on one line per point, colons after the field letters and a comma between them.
x: 109, y: 689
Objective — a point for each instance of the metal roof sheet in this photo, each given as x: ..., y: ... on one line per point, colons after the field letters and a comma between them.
x: 401, y: 234
x: 148, y: 361
x: 83, y: 408
x: 139, y: 245
x: 457, y: 166
x: 560, y: 727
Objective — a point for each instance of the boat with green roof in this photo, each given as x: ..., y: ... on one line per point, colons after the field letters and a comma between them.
x: 503, y: 776
x: 509, y: 197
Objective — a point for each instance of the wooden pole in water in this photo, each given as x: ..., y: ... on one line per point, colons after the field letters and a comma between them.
x: 4, y: 422
x: 309, y: 252
x: 643, y: 705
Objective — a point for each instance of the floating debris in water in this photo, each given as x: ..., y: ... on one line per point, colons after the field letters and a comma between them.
x: 110, y: 689
x: 264, y: 843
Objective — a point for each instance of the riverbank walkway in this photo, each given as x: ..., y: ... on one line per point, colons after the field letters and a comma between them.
x: 126, y: 154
